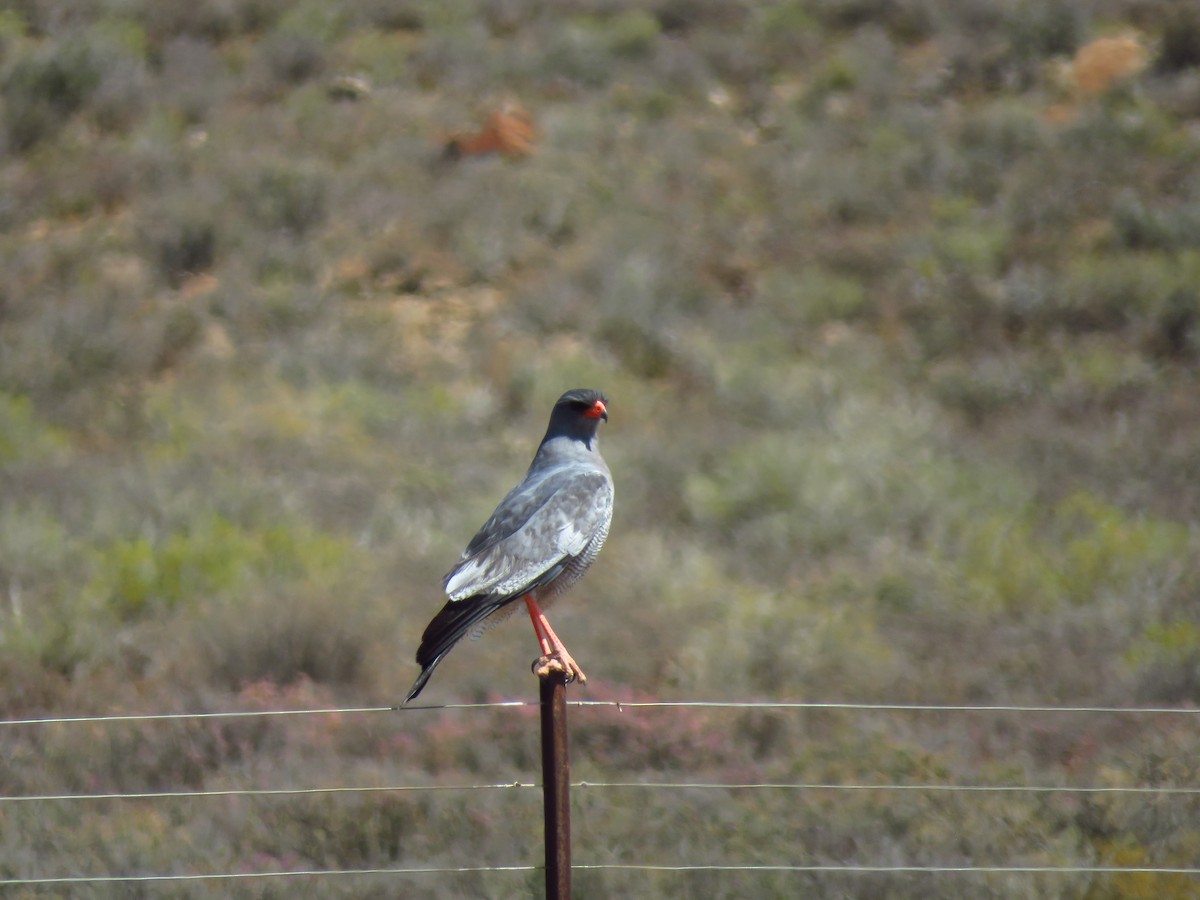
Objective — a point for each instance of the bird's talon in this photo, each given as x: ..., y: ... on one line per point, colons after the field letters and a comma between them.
x: 544, y: 666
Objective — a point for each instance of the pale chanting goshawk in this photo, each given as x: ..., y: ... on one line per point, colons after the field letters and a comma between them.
x: 542, y: 537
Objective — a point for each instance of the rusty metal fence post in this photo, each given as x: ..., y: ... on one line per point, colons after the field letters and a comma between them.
x: 556, y: 783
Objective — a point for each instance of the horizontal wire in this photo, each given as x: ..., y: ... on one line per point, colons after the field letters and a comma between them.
x: 594, y: 785
x: 250, y: 714
x: 619, y: 705
x: 269, y: 792
x: 1027, y: 870
x: 884, y: 707
x: 628, y: 867
x: 229, y: 876
x: 822, y: 786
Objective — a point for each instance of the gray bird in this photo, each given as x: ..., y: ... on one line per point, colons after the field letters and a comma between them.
x: 542, y: 537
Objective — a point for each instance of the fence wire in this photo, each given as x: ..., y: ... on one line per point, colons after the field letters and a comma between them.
x: 816, y: 868
x: 620, y: 706
x: 1165, y: 790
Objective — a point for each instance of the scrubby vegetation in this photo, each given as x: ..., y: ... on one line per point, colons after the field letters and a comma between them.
x: 898, y: 308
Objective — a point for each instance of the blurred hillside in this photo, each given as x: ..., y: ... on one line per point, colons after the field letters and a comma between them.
x: 898, y: 308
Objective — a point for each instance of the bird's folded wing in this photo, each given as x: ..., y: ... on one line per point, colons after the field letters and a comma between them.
x: 534, y: 529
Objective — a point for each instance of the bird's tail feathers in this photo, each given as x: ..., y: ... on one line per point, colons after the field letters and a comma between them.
x: 419, y: 684
x: 456, y: 619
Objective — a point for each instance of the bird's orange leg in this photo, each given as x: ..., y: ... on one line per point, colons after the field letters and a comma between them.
x: 554, y: 651
x: 536, y: 617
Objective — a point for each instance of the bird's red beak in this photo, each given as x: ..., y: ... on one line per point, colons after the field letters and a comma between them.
x: 598, y: 411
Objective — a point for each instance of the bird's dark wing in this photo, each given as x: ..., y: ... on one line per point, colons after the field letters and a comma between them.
x: 533, y: 530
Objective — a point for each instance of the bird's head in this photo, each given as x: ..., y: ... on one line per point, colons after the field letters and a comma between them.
x: 577, y: 415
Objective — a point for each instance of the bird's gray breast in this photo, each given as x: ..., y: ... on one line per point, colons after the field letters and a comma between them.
x: 544, y: 533
x: 576, y: 566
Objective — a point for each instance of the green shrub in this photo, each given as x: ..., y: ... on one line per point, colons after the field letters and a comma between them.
x: 813, y: 296
x: 1180, y: 47
x: 101, y: 68
x: 23, y: 435
x: 313, y: 19
x: 283, y: 636
x: 1118, y: 289
x: 139, y: 576
x: 288, y: 197
x: 581, y: 53
x: 13, y: 27
x: 1036, y: 31
x: 1140, y: 226
x: 632, y: 33
x: 1088, y: 551
x: 45, y: 87
x: 212, y: 558
x: 291, y: 59
x: 181, y: 238
x: 193, y: 78
x: 383, y: 56
x: 1167, y: 661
